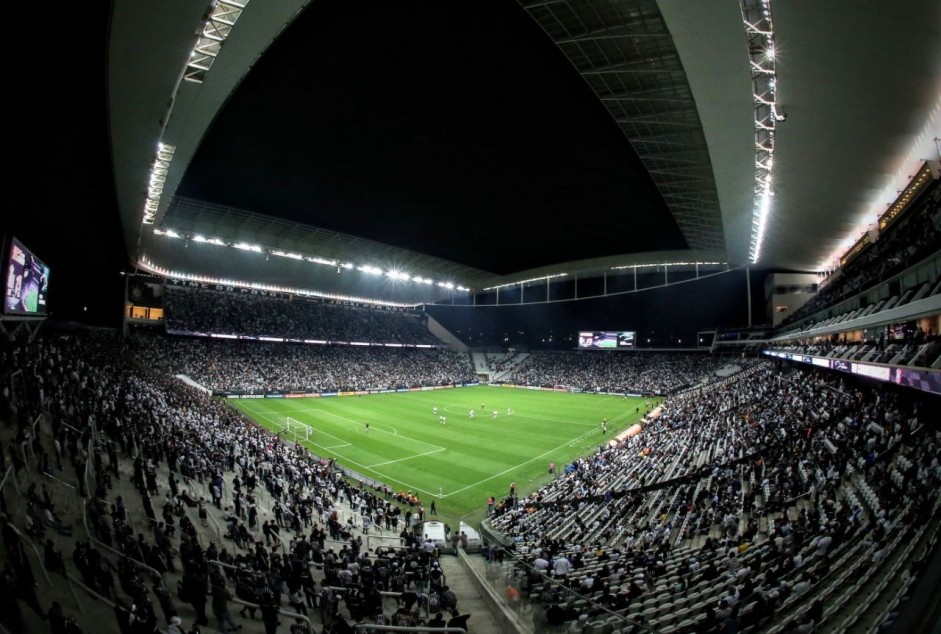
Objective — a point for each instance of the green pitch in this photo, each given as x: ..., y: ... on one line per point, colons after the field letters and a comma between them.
x: 462, y: 462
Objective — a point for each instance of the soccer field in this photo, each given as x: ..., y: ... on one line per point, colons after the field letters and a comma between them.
x: 463, y: 461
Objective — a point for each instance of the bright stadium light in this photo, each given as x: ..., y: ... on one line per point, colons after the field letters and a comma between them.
x: 313, y: 259
x: 759, y: 30
x: 158, y: 176
x: 146, y: 264
x: 652, y: 264
x: 529, y: 281
x: 218, y: 26
x: 318, y: 260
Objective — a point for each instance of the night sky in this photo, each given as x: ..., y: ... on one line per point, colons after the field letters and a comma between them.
x: 63, y: 206
x: 456, y: 134
x: 461, y: 134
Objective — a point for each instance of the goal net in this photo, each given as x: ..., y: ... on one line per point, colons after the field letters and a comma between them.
x: 294, y: 430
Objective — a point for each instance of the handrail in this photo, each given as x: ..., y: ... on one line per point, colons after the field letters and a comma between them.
x: 117, y: 552
x: 39, y: 557
x: 189, y: 482
x: 397, y: 538
x: 52, y: 477
x: 293, y: 615
x: 32, y: 433
x: 101, y: 598
x: 222, y: 563
x: 215, y: 524
x: 284, y: 549
x: 95, y: 539
x: 406, y: 628
x: 6, y: 474
x: 75, y: 429
x: 385, y: 594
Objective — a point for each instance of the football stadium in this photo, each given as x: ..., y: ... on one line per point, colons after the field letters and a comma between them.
x: 557, y: 316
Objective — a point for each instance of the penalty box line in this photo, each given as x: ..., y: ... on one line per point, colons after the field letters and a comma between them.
x: 409, y: 486
x: 342, y: 442
x: 513, y: 468
x: 317, y: 431
x: 418, y: 455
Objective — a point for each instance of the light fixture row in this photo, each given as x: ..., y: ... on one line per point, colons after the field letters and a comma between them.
x: 147, y: 264
x: 759, y: 31
x: 220, y: 18
x: 158, y: 176
x: 390, y: 273
x: 223, y: 15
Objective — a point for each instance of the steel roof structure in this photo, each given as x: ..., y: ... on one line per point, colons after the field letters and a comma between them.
x: 858, y: 98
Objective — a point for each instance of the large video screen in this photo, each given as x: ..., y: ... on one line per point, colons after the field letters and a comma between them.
x: 607, y: 339
x: 920, y: 379
x: 26, y: 284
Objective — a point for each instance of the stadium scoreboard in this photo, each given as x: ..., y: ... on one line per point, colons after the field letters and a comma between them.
x: 26, y: 281
x: 606, y: 339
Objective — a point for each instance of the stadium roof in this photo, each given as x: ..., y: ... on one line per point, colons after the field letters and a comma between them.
x: 528, y: 139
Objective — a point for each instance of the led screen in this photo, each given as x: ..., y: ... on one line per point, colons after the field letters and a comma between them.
x: 607, y: 339
x: 26, y: 283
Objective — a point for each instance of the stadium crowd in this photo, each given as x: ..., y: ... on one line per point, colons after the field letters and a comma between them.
x: 738, y: 503
x: 636, y: 373
x: 195, y: 309
x: 724, y: 468
x: 105, y: 408
x: 246, y: 366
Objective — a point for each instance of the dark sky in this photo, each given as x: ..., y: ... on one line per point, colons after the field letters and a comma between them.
x: 455, y: 133
x: 60, y: 179
x: 462, y: 134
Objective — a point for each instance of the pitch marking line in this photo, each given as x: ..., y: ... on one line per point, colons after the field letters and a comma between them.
x: 342, y: 443
x: 384, y: 477
x: 379, y: 428
x: 362, y: 466
x: 437, y: 494
x: 418, y: 455
x: 314, y: 411
x: 320, y: 432
x: 502, y: 473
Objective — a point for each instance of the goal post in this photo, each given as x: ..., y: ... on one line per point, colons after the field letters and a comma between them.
x: 294, y: 430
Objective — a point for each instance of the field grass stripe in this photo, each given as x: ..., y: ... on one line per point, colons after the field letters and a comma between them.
x: 514, y: 468
x: 480, y: 451
x: 418, y: 455
x: 360, y: 465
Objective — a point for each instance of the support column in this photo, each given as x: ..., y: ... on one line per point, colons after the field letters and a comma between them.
x: 748, y: 287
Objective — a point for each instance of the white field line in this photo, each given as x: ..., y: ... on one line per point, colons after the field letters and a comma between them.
x: 320, y: 432
x: 364, y: 467
x: 411, y: 487
x: 418, y: 455
x: 504, y: 472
